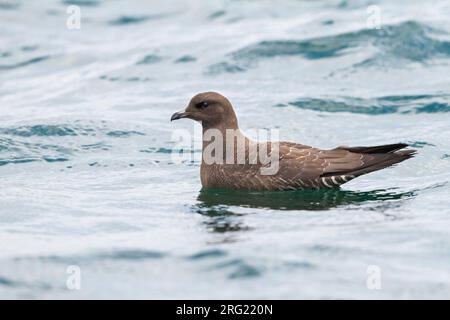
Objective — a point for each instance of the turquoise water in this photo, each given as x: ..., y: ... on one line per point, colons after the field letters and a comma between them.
x: 86, y: 165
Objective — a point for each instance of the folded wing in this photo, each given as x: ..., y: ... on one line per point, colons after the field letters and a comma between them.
x: 331, y: 168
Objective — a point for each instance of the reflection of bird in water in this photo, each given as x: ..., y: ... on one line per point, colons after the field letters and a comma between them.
x: 216, y: 204
x: 293, y: 200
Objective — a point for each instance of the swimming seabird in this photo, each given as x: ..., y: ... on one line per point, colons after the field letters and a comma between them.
x: 298, y: 167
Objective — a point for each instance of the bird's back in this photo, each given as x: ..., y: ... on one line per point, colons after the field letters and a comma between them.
x: 301, y: 167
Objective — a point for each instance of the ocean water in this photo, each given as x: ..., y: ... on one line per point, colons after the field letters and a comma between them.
x: 90, y: 190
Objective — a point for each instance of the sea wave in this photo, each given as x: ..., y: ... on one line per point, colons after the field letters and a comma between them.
x: 405, y: 42
x: 29, y: 143
x: 407, y: 104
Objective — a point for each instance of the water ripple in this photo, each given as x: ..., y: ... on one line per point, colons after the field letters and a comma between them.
x: 217, y: 14
x: 4, y: 5
x: 123, y: 134
x: 376, y: 106
x: 149, y: 59
x: 18, y: 152
x: 239, y: 269
x: 7, y: 282
x: 24, y: 63
x: 206, y: 254
x: 131, y: 255
x: 405, y: 42
x: 127, y: 20
x: 185, y: 59
x: 86, y: 3
x: 29, y: 143
x: 41, y: 130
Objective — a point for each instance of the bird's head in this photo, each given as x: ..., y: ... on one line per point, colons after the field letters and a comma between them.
x: 212, y: 109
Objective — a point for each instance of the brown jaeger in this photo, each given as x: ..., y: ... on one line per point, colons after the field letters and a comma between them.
x: 298, y: 166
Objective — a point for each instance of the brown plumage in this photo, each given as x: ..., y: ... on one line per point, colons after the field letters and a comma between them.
x: 299, y: 167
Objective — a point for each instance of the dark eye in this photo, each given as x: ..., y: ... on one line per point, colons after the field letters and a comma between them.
x: 202, y: 105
